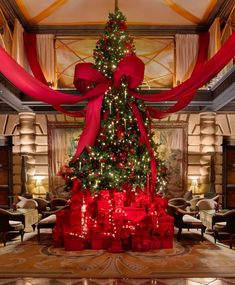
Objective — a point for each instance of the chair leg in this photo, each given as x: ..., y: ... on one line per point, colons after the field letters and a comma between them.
x: 202, y: 233
x: 21, y: 235
x: 231, y: 240
x: 179, y: 234
x: 3, y: 238
x: 215, y: 236
x: 38, y: 234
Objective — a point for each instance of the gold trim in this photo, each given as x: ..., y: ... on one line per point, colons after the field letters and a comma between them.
x: 209, y: 9
x: 182, y: 12
x: 47, y: 12
x: 229, y: 22
x: 103, y: 23
x: 158, y: 52
x: 23, y: 9
x: 4, y: 22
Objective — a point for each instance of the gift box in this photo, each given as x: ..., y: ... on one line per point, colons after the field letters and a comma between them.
x: 73, y: 242
x: 156, y: 244
x: 167, y: 242
x: 97, y: 243
x: 57, y: 235
x: 63, y: 218
x: 116, y: 245
x: 126, y: 243
x: 166, y: 226
x: 139, y: 244
x: 107, y: 242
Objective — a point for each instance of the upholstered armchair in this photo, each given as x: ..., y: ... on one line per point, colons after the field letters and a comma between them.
x: 43, y: 205
x: 8, y: 225
x: 185, y: 220
x: 25, y: 203
x: 193, y: 202
x: 225, y: 226
x: 54, y: 205
x: 181, y: 203
x: 207, y: 204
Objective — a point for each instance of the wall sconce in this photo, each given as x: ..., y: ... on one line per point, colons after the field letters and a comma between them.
x: 39, y: 188
x: 194, y: 185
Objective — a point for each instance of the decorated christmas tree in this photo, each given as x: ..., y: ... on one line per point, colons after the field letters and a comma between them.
x: 115, y: 177
x: 120, y: 158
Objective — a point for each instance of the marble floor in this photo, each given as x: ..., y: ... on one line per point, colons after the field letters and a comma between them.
x: 84, y: 281
x: 180, y: 281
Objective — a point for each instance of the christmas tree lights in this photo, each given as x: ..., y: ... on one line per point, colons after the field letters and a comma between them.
x: 119, y: 158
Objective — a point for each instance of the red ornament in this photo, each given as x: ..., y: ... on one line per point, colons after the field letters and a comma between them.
x: 120, y: 132
x: 132, y: 175
x: 105, y: 115
x: 122, y: 26
x: 113, y: 157
x: 123, y: 156
x: 121, y: 165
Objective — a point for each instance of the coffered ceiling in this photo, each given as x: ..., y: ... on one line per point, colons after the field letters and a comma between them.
x: 146, y: 19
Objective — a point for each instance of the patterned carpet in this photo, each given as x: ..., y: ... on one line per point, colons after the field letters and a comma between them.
x: 189, y: 258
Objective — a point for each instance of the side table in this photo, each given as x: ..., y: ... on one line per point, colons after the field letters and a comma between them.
x: 207, y: 218
x: 210, y: 217
x: 29, y: 218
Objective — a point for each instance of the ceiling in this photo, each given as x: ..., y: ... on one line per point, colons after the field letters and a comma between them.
x: 152, y: 18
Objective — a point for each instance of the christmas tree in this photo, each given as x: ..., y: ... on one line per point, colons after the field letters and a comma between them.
x: 115, y: 178
x: 119, y: 160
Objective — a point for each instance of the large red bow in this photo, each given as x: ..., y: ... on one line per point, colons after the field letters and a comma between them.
x: 86, y: 75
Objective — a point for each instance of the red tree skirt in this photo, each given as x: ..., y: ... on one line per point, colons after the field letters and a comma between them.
x: 114, y: 221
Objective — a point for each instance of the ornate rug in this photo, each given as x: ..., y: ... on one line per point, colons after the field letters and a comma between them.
x: 189, y: 258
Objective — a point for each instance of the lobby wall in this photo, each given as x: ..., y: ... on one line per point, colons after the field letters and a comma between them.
x: 201, y: 147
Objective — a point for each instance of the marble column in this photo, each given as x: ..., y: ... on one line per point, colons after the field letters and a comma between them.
x: 207, y: 150
x: 27, y: 132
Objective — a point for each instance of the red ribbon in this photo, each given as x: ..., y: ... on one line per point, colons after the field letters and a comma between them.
x: 130, y: 67
x: 148, y: 145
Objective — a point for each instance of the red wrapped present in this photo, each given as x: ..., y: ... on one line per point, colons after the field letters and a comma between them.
x: 63, y: 218
x: 135, y: 214
x: 73, y: 242
x: 140, y: 244
x: 166, y: 226
x: 107, y: 241
x: 167, y: 242
x: 116, y: 245
x: 57, y: 234
x: 119, y: 198
x: 156, y: 244
x: 97, y: 242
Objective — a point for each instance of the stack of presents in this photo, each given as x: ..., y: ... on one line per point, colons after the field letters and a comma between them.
x: 114, y: 221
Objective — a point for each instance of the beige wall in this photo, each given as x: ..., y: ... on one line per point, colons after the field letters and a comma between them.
x: 224, y: 125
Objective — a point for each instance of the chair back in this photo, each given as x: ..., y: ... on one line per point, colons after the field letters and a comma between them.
x: 42, y: 204
x: 179, y: 203
x: 229, y: 217
x: 4, y: 220
x: 25, y: 203
x: 206, y: 204
x: 57, y: 202
x: 193, y: 203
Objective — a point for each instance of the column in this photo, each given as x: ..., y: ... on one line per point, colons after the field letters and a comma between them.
x: 207, y: 150
x: 27, y: 133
